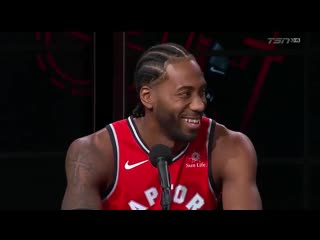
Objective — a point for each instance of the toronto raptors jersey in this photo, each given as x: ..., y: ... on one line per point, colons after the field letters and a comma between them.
x: 137, y: 186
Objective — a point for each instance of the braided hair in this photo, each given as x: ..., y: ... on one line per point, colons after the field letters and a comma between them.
x: 152, y: 67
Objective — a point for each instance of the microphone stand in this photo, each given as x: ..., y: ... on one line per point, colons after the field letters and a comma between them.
x: 164, y: 177
x: 165, y: 198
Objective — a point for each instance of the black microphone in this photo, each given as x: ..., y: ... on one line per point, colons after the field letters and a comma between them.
x: 160, y: 156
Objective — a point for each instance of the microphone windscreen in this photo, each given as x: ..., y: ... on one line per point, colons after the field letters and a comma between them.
x: 160, y: 151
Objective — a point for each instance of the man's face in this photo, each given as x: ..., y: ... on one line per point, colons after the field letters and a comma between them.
x: 180, y: 100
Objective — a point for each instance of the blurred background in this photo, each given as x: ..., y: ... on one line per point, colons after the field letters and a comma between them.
x: 58, y: 86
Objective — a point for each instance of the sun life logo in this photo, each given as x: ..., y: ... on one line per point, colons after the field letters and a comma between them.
x: 195, y: 156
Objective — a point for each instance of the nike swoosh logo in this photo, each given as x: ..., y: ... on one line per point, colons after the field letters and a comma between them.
x: 130, y: 166
x: 213, y: 69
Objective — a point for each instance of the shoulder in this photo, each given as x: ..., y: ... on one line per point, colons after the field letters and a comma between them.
x: 228, y: 140
x: 232, y: 148
x: 95, y: 143
x: 92, y: 152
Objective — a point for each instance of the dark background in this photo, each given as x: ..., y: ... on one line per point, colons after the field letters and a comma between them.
x: 58, y: 86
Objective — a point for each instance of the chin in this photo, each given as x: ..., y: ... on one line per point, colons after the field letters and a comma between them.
x: 184, y: 136
x: 188, y: 137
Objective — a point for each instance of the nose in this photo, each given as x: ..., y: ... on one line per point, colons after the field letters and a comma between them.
x: 198, y: 104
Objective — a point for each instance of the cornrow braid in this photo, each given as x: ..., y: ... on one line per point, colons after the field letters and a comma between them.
x: 152, y: 66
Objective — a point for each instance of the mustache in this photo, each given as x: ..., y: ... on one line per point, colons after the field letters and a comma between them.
x: 192, y: 115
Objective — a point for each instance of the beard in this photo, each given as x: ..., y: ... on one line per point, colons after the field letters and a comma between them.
x: 172, y: 126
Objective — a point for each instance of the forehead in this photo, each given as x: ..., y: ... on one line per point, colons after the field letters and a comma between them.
x: 184, y: 72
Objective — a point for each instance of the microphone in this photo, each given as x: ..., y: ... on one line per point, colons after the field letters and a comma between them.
x: 160, y: 156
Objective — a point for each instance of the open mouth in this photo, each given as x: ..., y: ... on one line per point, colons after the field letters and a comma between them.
x: 192, y: 123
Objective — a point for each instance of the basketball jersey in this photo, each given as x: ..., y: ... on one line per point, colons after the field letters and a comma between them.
x: 137, y: 186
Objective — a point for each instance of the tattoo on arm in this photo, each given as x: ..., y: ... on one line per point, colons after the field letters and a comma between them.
x: 80, y: 170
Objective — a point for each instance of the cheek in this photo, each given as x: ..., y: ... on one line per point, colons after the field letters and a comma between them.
x: 164, y: 108
x: 168, y: 104
x: 163, y: 102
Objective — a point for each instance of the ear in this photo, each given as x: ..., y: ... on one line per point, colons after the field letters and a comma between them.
x: 146, y: 97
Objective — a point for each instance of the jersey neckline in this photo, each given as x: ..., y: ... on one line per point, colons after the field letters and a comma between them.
x: 134, y: 129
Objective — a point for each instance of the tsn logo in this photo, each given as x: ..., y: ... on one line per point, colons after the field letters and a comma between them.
x: 179, y: 197
x: 283, y: 40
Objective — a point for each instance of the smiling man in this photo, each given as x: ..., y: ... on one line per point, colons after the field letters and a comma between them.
x: 110, y: 169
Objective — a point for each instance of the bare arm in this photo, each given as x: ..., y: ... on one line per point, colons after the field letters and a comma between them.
x: 87, y: 174
x: 238, y: 173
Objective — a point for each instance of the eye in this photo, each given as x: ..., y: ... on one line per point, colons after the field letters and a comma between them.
x: 185, y: 94
x: 204, y: 91
x: 209, y: 95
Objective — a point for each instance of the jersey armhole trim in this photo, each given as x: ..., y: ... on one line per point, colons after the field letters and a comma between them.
x: 106, y: 194
x: 212, y: 183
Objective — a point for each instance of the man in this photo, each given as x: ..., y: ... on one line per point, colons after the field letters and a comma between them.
x: 110, y: 169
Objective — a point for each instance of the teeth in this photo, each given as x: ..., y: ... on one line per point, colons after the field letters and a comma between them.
x: 194, y: 121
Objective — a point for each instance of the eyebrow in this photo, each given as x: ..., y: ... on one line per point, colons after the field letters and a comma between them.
x: 204, y: 85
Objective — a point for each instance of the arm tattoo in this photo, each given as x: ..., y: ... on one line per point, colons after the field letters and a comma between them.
x: 80, y: 169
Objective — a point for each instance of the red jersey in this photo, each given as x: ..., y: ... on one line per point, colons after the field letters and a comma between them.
x: 137, y: 186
